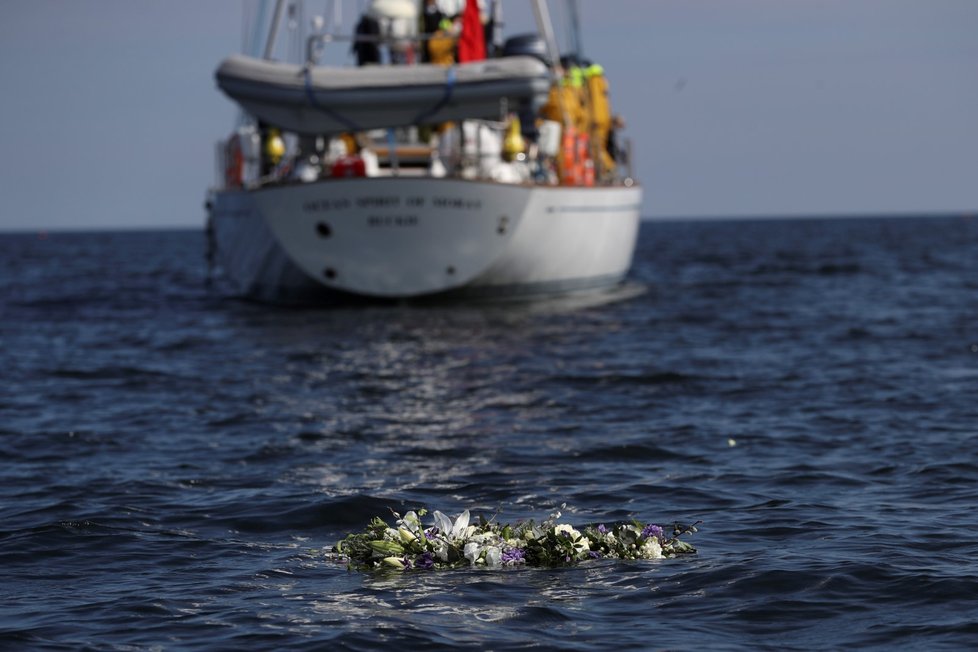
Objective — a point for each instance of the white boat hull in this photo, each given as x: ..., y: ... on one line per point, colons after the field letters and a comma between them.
x: 403, y: 237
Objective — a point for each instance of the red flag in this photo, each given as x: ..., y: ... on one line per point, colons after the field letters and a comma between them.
x: 472, y: 42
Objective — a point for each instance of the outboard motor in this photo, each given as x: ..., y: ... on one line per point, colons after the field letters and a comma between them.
x: 527, y: 45
x: 530, y: 45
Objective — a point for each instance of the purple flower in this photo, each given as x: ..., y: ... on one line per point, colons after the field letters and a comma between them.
x: 407, y: 563
x: 602, y: 529
x: 652, y: 531
x: 593, y: 554
x: 425, y: 561
x: 513, y: 556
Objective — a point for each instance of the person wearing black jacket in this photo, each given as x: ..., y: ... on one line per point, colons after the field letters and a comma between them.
x: 367, y: 49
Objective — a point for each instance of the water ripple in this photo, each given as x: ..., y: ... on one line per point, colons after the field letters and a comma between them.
x: 175, y: 461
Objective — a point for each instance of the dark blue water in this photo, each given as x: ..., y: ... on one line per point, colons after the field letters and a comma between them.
x: 174, y: 462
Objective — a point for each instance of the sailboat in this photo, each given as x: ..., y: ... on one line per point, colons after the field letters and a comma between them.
x: 473, y: 177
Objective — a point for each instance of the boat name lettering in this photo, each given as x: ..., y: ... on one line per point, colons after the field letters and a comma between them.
x: 378, y: 202
x: 320, y: 205
x: 392, y: 220
x: 456, y: 202
x: 339, y: 204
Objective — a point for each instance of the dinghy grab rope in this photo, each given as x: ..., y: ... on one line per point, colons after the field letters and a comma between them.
x: 349, y: 124
x: 421, y: 118
x: 445, y: 99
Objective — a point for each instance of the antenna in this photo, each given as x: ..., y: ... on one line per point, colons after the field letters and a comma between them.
x: 575, y: 30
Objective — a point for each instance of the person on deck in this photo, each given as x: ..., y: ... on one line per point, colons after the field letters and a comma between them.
x: 431, y: 22
x: 367, y: 50
x: 398, y: 20
x: 599, y: 106
x: 441, y: 46
x: 615, y: 151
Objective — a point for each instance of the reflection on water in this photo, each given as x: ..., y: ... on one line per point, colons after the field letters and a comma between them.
x: 399, y: 398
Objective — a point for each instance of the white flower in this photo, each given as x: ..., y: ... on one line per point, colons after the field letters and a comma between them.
x: 406, y: 535
x: 484, y: 548
x: 581, y: 544
x: 411, y: 523
x: 494, y: 556
x: 651, y: 549
x: 394, y: 562
x: 440, y: 548
x: 452, y: 531
x: 472, y: 552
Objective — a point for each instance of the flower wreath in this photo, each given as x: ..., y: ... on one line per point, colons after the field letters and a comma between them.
x: 454, y: 543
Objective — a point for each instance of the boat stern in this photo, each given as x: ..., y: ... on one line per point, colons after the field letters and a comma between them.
x: 396, y: 237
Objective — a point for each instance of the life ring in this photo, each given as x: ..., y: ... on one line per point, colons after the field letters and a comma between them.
x: 234, y: 163
x: 585, y: 165
x: 568, y: 153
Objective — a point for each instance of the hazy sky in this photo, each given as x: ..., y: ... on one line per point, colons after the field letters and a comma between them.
x: 109, y: 114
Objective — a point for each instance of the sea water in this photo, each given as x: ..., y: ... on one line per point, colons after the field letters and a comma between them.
x: 174, y: 461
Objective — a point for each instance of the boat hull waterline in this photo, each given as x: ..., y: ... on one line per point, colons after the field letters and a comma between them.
x: 404, y: 238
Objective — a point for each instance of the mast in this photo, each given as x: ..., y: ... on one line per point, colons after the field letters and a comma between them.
x: 273, y: 30
x: 546, y: 29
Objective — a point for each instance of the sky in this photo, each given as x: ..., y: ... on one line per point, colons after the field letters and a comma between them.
x: 109, y: 114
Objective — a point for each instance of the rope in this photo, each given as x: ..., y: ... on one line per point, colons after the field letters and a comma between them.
x: 311, y: 97
x: 423, y: 117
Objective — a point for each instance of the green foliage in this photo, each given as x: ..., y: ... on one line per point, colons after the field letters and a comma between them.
x: 449, y: 543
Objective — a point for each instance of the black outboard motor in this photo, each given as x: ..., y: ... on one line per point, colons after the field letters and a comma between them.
x: 530, y: 45
x: 527, y: 45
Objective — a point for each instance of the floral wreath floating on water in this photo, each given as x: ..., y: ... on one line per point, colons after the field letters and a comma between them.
x: 449, y: 543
